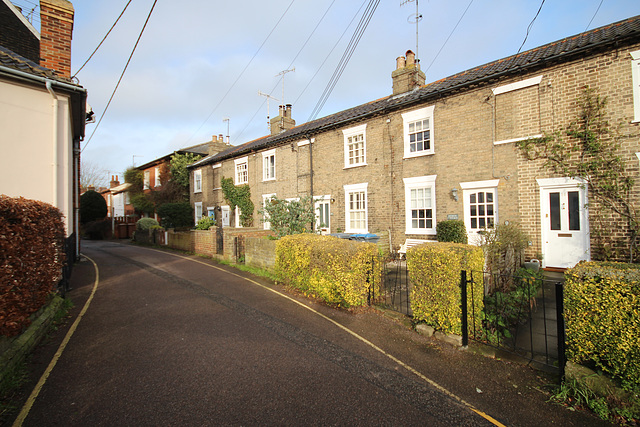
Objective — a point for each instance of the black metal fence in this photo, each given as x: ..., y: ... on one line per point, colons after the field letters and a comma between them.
x: 67, y: 267
x: 524, y: 319
x: 395, y: 287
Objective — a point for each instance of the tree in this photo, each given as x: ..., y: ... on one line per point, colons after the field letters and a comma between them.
x: 590, y: 149
x: 289, y: 217
x: 141, y: 202
x: 178, y: 168
x: 92, y: 207
x: 92, y: 174
x: 174, y: 215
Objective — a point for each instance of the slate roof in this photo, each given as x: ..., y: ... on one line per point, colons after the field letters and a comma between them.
x: 14, y: 61
x: 202, y: 149
x: 612, y: 35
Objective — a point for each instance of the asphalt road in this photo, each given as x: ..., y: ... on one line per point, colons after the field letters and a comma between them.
x: 174, y: 340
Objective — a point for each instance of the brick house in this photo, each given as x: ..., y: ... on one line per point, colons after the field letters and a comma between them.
x: 42, y: 111
x: 446, y: 150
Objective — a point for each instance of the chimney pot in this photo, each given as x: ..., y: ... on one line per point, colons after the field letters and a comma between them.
x: 220, y: 137
x: 411, y: 58
x: 400, y: 62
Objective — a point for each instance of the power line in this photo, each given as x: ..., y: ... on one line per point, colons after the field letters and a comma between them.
x: 450, y: 34
x: 104, y: 38
x: 529, y: 27
x: 594, y: 15
x: 242, y: 73
x: 121, y: 75
x: 353, y: 43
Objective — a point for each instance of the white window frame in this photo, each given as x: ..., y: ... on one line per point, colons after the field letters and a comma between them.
x: 320, y: 201
x: 267, y: 173
x: 635, y: 77
x: 197, y: 211
x: 416, y: 183
x: 236, y: 214
x: 239, y: 163
x: 510, y: 88
x: 197, y: 181
x: 211, y: 211
x: 350, y: 133
x: 412, y: 117
x: 348, y: 190
x: 473, y: 187
x: 147, y: 179
x: 157, y: 172
x: 265, y: 197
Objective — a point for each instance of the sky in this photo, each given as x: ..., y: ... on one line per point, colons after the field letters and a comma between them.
x: 200, y: 62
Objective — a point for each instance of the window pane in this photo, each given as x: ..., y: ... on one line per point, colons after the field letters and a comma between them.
x: 574, y: 210
x: 481, y: 222
x: 489, y: 197
x: 474, y: 223
x: 554, y: 210
x: 472, y: 198
x: 480, y: 197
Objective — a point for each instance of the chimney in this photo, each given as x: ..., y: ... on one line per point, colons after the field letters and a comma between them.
x: 216, y: 145
x: 407, y: 75
x: 114, y: 181
x: 284, y: 121
x: 56, y: 28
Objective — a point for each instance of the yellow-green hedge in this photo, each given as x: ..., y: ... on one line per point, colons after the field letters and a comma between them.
x: 602, y: 314
x: 434, y: 269
x: 335, y: 270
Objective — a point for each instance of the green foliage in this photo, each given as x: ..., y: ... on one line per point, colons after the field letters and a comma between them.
x: 289, y: 217
x: 142, y: 203
x: 452, y: 231
x: 434, y: 269
x: 503, y: 310
x: 337, y: 271
x: 134, y: 177
x: 92, y: 206
x: 602, y: 309
x: 239, y: 196
x: 144, y: 224
x: 205, y: 223
x: 173, y: 215
x: 503, y: 247
x: 591, y: 152
x: 31, y: 259
x: 178, y: 167
x: 170, y: 191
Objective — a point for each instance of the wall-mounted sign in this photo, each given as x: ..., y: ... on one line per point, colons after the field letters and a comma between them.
x: 452, y: 216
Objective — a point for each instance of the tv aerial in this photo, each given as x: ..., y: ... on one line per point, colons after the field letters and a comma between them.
x: 414, y: 18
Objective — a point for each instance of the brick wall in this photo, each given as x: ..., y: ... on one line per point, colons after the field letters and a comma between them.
x: 56, y: 22
x: 260, y: 252
x: 16, y: 37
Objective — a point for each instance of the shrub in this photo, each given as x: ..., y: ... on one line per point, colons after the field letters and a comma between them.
x: 338, y: 271
x: 92, y: 207
x: 434, y: 270
x: 31, y: 259
x: 602, y: 305
x: 96, y: 230
x: 289, y: 216
x: 504, y: 247
x: 174, y: 215
x: 452, y: 231
x: 145, y: 224
x: 205, y: 223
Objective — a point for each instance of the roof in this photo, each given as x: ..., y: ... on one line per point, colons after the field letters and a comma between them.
x: 12, y: 60
x: 622, y: 32
x: 201, y: 149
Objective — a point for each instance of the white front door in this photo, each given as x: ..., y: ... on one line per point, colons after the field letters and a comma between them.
x: 564, y: 219
x: 480, y: 199
x: 225, y: 215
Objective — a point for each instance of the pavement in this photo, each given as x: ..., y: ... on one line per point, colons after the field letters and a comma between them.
x: 401, y: 377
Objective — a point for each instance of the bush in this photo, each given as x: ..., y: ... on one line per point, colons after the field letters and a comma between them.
x: 434, y: 270
x: 145, y: 224
x: 504, y: 247
x: 452, y: 231
x: 205, y: 223
x: 96, y: 230
x: 174, y: 215
x: 92, y: 207
x: 287, y: 217
x: 31, y: 259
x: 602, y: 302
x: 337, y: 271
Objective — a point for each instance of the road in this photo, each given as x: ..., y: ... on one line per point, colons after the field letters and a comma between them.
x: 169, y: 339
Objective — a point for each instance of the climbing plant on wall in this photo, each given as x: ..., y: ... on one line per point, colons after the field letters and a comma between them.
x: 240, y: 196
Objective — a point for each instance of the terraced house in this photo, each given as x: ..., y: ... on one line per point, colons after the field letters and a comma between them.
x: 448, y: 150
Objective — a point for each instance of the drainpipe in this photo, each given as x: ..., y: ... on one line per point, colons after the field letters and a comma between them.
x: 313, y: 225
x: 55, y: 143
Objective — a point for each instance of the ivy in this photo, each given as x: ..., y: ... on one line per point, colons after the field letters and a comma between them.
x: 589, y: 149
x: 239, y: 196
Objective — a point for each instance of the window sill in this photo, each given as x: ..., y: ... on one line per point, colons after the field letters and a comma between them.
x: 429, y: 232
x: 524, y: 138
x: 420, y: 154
x: 197, y: 192
x: 355, y: 166
x: 269, y: 179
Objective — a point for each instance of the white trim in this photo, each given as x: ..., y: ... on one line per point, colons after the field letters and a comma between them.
x: 413, y: 116
x: 560, y: 182
x: 266, y: 224
x: 158, y: 183
x: 471, y: 185
x: 216, y: 166
x: 317, y: 201
x: 305, y: 142
x: 635, y: 78
x: 507, y: 141
x: 357, y: 130
x: 196, y: 188
x: 352, y: 188
x: 197, y: 205
x: 22, y: 18
x: 211, y: 208
x: 428, y: 181
x: 266, y: 155
x: 236, y: 162
x: 517, y: 85
x: 638, y: 156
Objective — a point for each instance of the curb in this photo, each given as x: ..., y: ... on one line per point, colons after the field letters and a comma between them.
x: 19, y: 347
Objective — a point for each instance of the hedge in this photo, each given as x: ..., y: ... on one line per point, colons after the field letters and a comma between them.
x: 31, y: 259
x: 434, y: 270
x: 602, y: 314
x: 335, y: 270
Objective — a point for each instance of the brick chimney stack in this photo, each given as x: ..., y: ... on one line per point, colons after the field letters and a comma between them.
x: 283, y: 121
x: 217, y: 145
x: 56, y: 28
x: 407, y: 75
x: 114, y: 181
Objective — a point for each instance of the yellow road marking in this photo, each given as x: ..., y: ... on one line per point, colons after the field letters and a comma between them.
x: 354, y: 334
x: 34, y: 394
